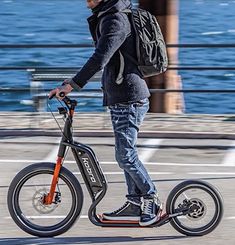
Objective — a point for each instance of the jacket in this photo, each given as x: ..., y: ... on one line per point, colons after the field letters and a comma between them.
x: 114, y: 39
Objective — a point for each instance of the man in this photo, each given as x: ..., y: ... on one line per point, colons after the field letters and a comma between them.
x: 126, y: 94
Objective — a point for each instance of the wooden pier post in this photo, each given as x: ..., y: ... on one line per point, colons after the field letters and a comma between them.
x: 166, y: 12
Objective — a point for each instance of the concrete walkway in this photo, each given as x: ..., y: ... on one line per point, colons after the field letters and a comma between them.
x: 155, y: 125
x: 168, y: 161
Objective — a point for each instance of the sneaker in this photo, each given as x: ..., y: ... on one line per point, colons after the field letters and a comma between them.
x: 151, y: 211
x: 129, y: 211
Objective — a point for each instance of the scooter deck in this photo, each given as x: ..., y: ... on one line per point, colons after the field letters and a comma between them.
x: 118, y: 223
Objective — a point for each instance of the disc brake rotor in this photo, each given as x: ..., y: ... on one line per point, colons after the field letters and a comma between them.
x: 38, y: 202
x: 198, y: 209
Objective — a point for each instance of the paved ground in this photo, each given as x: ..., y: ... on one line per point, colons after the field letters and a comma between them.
x: 155, y: 125
x: 169, y: 161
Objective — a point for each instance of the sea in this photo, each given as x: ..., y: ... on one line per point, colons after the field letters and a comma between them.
x: 64, y: 22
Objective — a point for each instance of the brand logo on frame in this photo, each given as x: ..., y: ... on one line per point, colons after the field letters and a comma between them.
x: 85, y: 160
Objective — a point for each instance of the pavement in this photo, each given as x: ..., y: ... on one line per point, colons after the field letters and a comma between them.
x: 208, y: 155
x: 88, y: 124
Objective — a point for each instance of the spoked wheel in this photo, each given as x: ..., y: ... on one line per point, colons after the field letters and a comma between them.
x: 26, y: 197
x: 201, y: 206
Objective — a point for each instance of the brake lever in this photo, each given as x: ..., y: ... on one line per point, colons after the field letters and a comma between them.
x: 51, y: 97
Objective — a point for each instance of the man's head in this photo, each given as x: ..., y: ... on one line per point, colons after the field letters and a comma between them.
x: 93, y: 3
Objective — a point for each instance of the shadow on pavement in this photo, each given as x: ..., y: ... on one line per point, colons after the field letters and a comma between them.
x: 84, y: 240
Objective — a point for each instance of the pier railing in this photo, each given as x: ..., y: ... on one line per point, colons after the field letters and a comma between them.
x: 59, y: 73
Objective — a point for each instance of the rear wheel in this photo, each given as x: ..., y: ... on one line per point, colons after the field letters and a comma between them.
x: 201, y: 205
x: 26, y: 200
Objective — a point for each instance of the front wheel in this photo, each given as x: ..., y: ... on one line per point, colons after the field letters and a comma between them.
x: 26, y: 200
x: 199, y: 207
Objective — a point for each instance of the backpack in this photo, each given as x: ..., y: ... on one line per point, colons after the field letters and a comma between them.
x: 150, y: 46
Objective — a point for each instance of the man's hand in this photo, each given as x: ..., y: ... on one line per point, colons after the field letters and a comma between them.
x: 65, y: 88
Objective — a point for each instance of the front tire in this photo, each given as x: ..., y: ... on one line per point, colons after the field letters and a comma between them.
x: 27, y: 209
x: 202, y: 206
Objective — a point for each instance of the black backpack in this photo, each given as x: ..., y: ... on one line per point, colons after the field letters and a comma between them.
x: 150, y: 45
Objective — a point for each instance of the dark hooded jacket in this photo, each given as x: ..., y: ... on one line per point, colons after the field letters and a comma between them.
x: 114, y: 40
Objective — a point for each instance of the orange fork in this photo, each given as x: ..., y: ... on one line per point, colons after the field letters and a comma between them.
x: 49, y: 197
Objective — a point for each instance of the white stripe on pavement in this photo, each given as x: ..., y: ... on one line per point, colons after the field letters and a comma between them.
x: 213, y: 173
x: 171, y: 164
x: 18, y: 161
x: 2, y: 161
x: 121, y: 173
x: 170, y: 173
x: 49, y: 217
x: 230, y: 218
x: 51, y: 157
x: 229, y: 159
x: 82, y: 217
x: 146, y: 153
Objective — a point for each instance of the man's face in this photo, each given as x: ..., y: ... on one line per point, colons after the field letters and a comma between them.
x: 93, y: 3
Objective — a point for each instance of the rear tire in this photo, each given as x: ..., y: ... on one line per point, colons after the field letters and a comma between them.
x: 36, y: 218
x: 200, y: 194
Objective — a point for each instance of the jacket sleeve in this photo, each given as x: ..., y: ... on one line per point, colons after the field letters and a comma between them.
x: 113, y: 33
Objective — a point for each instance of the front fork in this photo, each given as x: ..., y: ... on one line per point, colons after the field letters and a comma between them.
x: 48, y: 199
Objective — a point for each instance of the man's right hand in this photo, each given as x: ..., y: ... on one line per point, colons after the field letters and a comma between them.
x: 66, y: 88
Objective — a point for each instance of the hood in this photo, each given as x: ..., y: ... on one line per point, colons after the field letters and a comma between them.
x: 111, y: 6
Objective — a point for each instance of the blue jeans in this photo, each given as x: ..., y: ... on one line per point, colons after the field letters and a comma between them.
x: 126, y: 120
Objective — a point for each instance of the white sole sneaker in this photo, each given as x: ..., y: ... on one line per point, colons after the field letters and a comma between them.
x: 150, y: 222
x: 154, y: 219
x: 130, y: 218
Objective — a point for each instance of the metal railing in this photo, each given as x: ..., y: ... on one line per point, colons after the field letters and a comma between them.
x: 90, y: 45
x: 85, y: 45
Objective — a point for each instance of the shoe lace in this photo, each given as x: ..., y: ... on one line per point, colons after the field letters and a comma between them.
x: 122, y: 207
x: 148, y: 206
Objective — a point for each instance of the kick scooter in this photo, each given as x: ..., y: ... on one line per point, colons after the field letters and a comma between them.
x: 45, y: 199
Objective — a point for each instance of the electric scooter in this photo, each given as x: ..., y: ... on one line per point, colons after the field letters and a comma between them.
x: 193, y: 207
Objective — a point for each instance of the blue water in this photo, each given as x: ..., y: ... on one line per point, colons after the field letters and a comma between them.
x: 62, y: 21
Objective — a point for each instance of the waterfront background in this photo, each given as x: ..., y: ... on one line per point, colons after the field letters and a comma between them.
x: 61, y: 21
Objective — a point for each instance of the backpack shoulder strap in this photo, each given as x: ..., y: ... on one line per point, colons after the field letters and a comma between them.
x: 130, y: 11
x: 127, y: 11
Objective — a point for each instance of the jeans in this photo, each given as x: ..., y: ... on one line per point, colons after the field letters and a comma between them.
x: 126, y: 120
